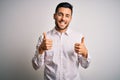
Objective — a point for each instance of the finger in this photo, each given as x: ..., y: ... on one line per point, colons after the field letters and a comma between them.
x: 48, y: 42
x: 44, y: 36
x: 77, y: 44
x: 79, y: 50
x: 48, y: 47
x: 78, y: 47
x: 82, y: 40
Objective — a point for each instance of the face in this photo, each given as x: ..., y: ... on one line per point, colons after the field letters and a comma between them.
x: 62, y: 18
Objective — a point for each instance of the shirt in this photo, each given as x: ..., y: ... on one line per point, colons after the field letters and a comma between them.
x: 61, y: 62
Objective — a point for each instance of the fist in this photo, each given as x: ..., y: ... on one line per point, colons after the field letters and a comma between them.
x: 81, y: 49
x: 46, y: 43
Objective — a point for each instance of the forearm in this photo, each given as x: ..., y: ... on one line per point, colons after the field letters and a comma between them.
x: 84, y: 61
x: 37, y: 60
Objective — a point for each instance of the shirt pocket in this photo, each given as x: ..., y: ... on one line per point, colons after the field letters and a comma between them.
x: 49, y: 57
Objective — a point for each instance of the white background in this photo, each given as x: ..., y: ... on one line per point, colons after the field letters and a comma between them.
x: 22, y: 21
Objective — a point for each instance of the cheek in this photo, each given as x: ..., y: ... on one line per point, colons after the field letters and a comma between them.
x: 69, y: 20
x: 57, y: 19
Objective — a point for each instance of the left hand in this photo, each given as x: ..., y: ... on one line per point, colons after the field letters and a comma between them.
x: 81, y: 49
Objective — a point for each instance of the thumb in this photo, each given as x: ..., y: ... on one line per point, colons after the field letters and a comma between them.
x: 44, y: 36
x: 82, y: 40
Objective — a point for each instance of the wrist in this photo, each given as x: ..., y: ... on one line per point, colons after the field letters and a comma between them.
x: 85, y: 55
x: 41, y: 50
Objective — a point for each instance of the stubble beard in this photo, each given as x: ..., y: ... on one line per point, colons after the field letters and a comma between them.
x: 57, y: 27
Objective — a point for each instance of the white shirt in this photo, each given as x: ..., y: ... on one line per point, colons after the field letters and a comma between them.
x: 61, y: 62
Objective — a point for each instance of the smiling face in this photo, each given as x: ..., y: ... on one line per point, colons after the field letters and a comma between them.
x: 62, y: 18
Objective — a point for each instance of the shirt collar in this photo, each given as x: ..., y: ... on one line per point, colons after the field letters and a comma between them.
x: 66, y: 33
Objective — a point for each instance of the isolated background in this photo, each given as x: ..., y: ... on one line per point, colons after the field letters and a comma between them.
x: 22, y: 21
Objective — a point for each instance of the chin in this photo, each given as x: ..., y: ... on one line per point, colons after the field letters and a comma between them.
x: 61, y: 27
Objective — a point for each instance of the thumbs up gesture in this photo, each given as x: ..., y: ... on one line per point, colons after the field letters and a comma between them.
x: 81, y: 49
x: 46, y: 44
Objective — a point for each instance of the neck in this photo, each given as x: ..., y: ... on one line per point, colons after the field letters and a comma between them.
x: 60, y: 30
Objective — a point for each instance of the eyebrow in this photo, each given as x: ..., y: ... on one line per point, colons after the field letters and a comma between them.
x: 65, y: 14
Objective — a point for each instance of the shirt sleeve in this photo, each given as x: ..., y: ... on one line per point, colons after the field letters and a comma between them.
x: 84, y: 61
x: 38, y: 59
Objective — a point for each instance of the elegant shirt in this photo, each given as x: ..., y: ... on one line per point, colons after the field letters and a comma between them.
x: 61, y: 62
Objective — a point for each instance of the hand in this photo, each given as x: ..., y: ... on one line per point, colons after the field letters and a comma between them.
x: 46, y: 44
x: 81, y: 49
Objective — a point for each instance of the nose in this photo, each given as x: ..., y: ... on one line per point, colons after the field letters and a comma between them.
x: 63, y: 17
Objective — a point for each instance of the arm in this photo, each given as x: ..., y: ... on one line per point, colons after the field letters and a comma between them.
x: 82, y: 52
x: 38, y: 59
x: 84, y: 61
x: 43, y: 45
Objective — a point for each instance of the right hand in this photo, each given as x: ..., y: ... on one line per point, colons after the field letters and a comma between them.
x: 81, y: 49
x: 46, y: 43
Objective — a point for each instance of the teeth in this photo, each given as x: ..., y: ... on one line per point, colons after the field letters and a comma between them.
x: 62, y: 23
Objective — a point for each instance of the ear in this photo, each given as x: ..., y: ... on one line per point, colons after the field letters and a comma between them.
x: 54, y: 16
x: 71, y: 18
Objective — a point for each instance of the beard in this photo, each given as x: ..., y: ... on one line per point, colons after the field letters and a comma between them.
x: 60, y: 28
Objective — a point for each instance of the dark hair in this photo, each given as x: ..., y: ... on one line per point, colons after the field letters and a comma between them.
x: 65, y: 5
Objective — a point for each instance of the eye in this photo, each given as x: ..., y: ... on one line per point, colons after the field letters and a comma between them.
x: 60, y: 14
x: 67, y: 15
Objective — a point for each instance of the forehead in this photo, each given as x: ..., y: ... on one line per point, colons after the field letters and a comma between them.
x: 64, y: 10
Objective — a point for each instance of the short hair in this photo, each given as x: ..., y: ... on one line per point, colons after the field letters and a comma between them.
x: 65, y: 5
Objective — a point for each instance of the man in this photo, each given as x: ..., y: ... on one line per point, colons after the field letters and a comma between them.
x: 61, y: 50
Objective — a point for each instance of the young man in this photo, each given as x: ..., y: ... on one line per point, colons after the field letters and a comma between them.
x: 61, y: 50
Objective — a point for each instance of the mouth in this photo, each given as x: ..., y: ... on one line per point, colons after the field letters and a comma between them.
x: 62, y: 22
x: 61, y: 25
